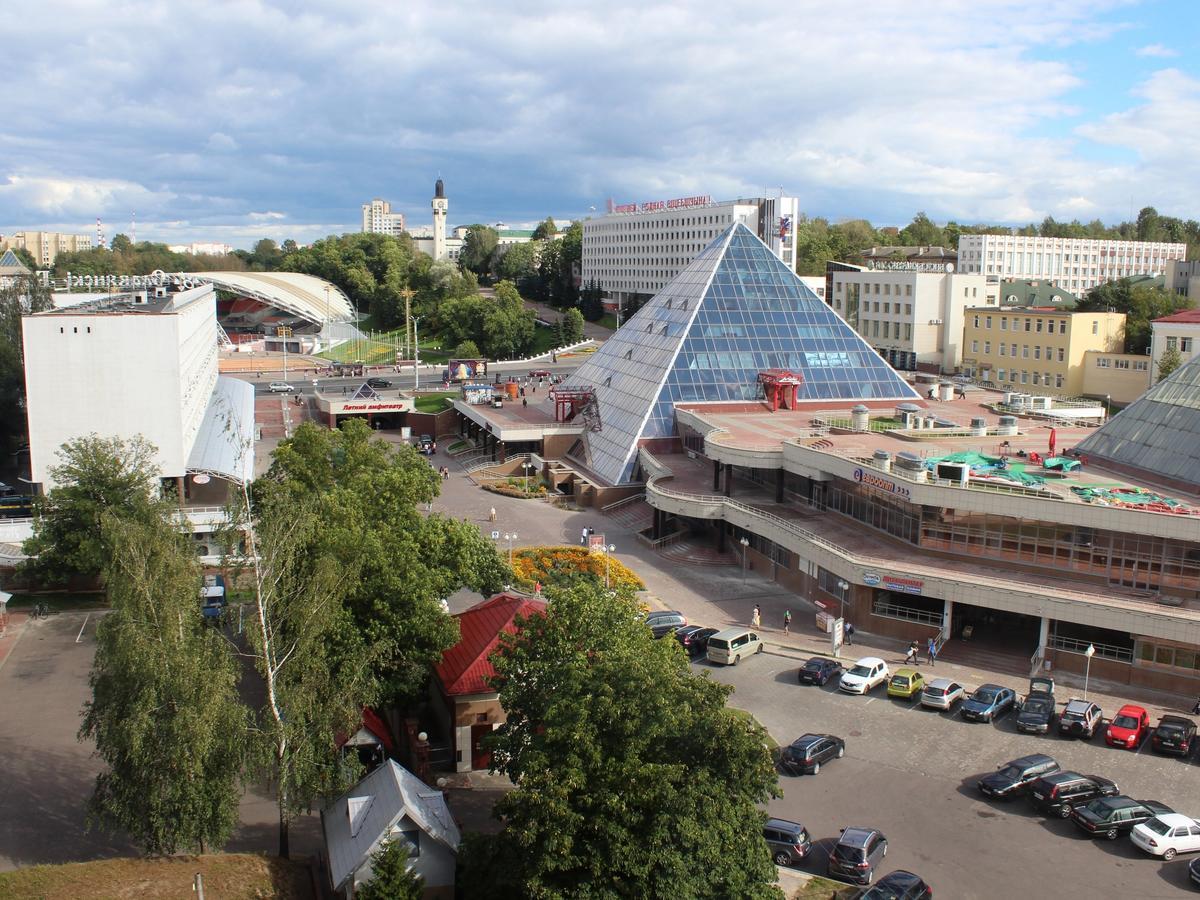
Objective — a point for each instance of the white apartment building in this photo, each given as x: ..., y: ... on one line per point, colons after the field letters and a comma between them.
x: 140, y: 363
x: 44, y: 246
x: 1183, y: 277
x: 202, y: 248
x: 1073, y: 264
x: 378, y: 218
x: 911, y: 315
x: 635, y: 249
x: 1179, y: 331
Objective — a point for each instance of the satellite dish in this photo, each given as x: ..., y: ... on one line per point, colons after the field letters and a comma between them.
x: 201, y: 479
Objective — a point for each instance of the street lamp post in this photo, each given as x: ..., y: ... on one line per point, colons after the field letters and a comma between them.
x: 510, y: 537
x: 1089, y: 653
x: 745, y: 544
x: 608, y: 551
x: 527, y: 465
x: 416, y: 355
x: 843, y: 586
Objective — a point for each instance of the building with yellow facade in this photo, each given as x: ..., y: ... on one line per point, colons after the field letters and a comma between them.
x: 44, y: 246
x: 1035, y: 349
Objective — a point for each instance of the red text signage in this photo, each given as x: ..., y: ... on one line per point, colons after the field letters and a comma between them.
x: 656, y: 205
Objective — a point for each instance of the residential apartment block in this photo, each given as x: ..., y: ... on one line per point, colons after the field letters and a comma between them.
x: 1037, y: 350
x: 45, y: 246
x: 1074, y: 264
x: 378, y: 218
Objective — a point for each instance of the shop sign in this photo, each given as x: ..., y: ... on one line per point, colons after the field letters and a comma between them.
x: 656, y: 205
x: 903, y: 585
x: 872, y: 579
x: 883, y: 484
x: 373, y: 407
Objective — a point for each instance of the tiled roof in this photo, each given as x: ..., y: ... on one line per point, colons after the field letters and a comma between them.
x: 1187, y: 316
x: 465, y: 668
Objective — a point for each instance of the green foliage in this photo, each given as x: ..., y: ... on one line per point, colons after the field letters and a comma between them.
x: 519, y: 264
x: 1170, y: 360
x: 590, y: 302
x: 572, y: 326
x: 165, y: 712
x: 142, y: 258
x: 546, y: 230
x: 502, y: 328
x: 467, y: 349
x: 24, y: 295
x: 96, y: 476
x: 921, y: 232
x: 391, y: 876
x: 366, y: 495
x: 1141, y: 306
x: 478, y: 250
x: 25, y: 257
x: 632, y: 776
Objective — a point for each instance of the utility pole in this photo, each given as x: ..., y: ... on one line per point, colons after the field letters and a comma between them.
x: 285, y: 332
x: 407, y: 294
x: 416, y: 355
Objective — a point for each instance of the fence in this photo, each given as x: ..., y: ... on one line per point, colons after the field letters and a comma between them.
x: 905, y: 613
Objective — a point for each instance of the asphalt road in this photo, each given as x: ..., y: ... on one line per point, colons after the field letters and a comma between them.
x: 911, y: 773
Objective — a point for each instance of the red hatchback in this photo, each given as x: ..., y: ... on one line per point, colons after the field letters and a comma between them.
x: 1128, y: 727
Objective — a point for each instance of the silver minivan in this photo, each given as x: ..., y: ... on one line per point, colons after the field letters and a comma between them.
x: 729, y: 646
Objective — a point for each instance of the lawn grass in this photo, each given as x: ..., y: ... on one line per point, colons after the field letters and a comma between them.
x: 433, y: 403
x: 608, y: 320
x: 771, y: 743
x: 818, y: 888
x: 226, y: 875
x: 58, y: 602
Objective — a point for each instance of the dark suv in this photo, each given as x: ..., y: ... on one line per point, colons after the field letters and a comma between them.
x: 857, y: 853
x: 1173, y: 734
x: 1057, y: 794
x: 1080, y: 719
x: 1037, y: 712
x: 1015, y: 777
x: 806, y: 753
x: 1110, y: 816
x: 788, y: 841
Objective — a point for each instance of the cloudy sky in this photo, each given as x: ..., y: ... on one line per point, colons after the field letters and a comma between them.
x: 231, y: 120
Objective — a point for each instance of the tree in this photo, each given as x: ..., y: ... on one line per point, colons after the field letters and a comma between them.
x: 572, y: 330
x: 478, y: 249
x: 266, y: 256
x: 96, y: 476
x: 120, y: 244
x: 1170, y: 360
x: 24, y: 295
x: 546, y: 230
x: 518, y: 264
x: 1140, y: 304
x: 25, y: 257
x: 596, y: 710
x: 288, y: 246
x: 922, y: 232
x: 165, y: 712
x: 590, y: 302
x: 392, y: 878
x: 466, y: 350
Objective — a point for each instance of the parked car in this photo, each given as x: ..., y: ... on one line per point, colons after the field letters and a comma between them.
x: 651, y: 615
x: 788, y: 841
x: 1109, y: 816
x: 857, y: 853
x: 1080, y: 719
x: 378, y: 383
x: 1036, y: 713
x: 664, y: 624
x: 1194, y: 872
x: 942, y: 693
x: 1128, y: 727
x: 694, y: 638
x: 805, y: 754
x: 1057, y: 794
x: 1015, y: 777
x: 280, y: 387
x: 866, y: 674
x: 897, y: 885
x: 1173, y: 734
x: 427, y: 445
x: 1166, y: 835
x: 906, y: 684
x: 729, y: 646
x: 539, y: 373
x: 819, y: 670
x: 989, y: 702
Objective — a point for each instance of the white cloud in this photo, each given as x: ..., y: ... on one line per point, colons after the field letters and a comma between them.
x: 1159, y: 51
x: 221, y: 142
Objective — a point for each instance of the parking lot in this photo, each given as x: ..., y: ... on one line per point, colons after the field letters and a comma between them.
x: 911, y: 773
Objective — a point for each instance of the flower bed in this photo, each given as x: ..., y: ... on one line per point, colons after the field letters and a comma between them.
x: 515, y: 487
x: 563, y: 566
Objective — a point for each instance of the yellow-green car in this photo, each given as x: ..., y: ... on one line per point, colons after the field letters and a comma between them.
x: 906, y: 684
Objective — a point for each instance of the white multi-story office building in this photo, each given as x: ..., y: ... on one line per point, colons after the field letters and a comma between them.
x: 912, y: 315
x: 202, y: 248
x: 44, y: 246
x: 1074, y: 264
x: 378, y: 218
x: 634, y: 250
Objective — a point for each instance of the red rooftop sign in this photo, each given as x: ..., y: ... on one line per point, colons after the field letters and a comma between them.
x: 656, y: 205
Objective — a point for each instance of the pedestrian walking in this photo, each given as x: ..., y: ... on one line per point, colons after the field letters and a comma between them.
x: 445, y: 473
x: 583, y: 537
x: 913, y: 655
x: 1196, y: 709
x: 756, y: 617
x: 931, y: 650
x: 787, y: 621
x: 524, y: 401
x: 492, y: 514
x: 849, y: 633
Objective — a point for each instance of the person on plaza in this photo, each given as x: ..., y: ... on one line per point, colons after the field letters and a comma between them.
x: 787, y: 620
x: 931, y: 650
x: 583, y: 537
x: 524, y: 401
x: 913, y: 655
x: 1196, y: 709
x: 492, y: 514
x: 756, y: 618
x: 849, y: 633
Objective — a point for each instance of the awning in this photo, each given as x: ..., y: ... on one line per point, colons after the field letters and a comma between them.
x: 224, y: 445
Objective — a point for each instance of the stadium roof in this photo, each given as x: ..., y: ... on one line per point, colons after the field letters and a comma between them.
x: 735, y: 311
x: 313, y: 299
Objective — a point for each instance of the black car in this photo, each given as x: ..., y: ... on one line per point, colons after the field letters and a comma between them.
x: 694, y: 639
x: 1015, y: 777
x: 426, y: 445
x: 805, y: 754
x: 897, y: 885
x: 1194, y: 872
x: 1037, y: 713
x: 1110, y: 816
x: 856, y: 854
x: 378, y: 383
x: 1058, y: 794
x: 1173, y: 734
x: 819, y: 670
x: 665, y: 622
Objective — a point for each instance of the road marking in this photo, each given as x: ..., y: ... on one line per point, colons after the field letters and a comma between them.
x: 81, y: 627
x: 872, y: 700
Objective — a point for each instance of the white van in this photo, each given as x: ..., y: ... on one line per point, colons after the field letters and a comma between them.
x: 729, y: 646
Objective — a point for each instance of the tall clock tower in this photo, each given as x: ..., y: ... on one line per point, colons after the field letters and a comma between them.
x: 440, y: 205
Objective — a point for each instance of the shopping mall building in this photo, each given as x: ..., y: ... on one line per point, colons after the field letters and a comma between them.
x: 739, y: 410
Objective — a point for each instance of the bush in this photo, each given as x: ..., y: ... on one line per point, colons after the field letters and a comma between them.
x: 563, y: 566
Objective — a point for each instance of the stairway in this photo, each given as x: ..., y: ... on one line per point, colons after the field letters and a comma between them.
x: 637, y: 516
x: 697, y: 552
x: 982, y: 656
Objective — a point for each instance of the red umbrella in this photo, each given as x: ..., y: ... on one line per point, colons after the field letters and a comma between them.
x: 1053, y: 439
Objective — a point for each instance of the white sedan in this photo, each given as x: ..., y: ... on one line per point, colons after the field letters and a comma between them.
x: 866, y: 674
x: 280, y: 387
x: 1167, y: 834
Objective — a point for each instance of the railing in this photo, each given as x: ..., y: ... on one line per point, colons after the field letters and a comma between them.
x: 1106, y: 651
x: 905, y: 613
x: 624, y: 501
x: 491, y: 463
x: 1035, y: 664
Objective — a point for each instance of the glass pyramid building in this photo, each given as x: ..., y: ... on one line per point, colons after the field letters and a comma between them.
x: 737, y: 310
x: 1159, y: 433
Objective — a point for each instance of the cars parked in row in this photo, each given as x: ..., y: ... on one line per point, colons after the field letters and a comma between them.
x: 1128, y: 727
x: 806, y: 753
x: 1112, y: 816
x: 1080, y: 719
x: 1036, y: 714
x: 857, y: 852
x: 1174, y: 734
x: 906, y: 684
x: 788, y: 841
x: 730, y: 646
x: 897, y: 885
x: 865, y: 675
x: 819, y: 670
x: 1015, y: 778
x: 694, y: 639
x: 1059, y: 793
x: 989, y: 702
x: 1167, y: 835
x: 942, y: 693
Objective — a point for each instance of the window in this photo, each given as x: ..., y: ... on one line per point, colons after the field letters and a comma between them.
x: 1000, y: 347
x: 1038, y: 328
x: 1121, y: 363
x: 1037, y: 378
x: 1095, y: 327
x: 1140, y: 365
x: 1102, y: 362
x: 1050, y: 327
x: 974, y: 346
x: 1004, y: 323
x: 1028, y: 324
x: 908, y: 331
x: 1172, y: 343
x: 1024, y: 378
x: 1024, y: 351
x: 987, y: 346
x: 1185, y: 345
x: 977, y: 325
x: 887, y: 308
x: 1037, y: 352
x: 908, y: 290
x: 1058, y: 381
x: 989, y: 321
x: 1000, y: 375
x: 1062, y: 354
